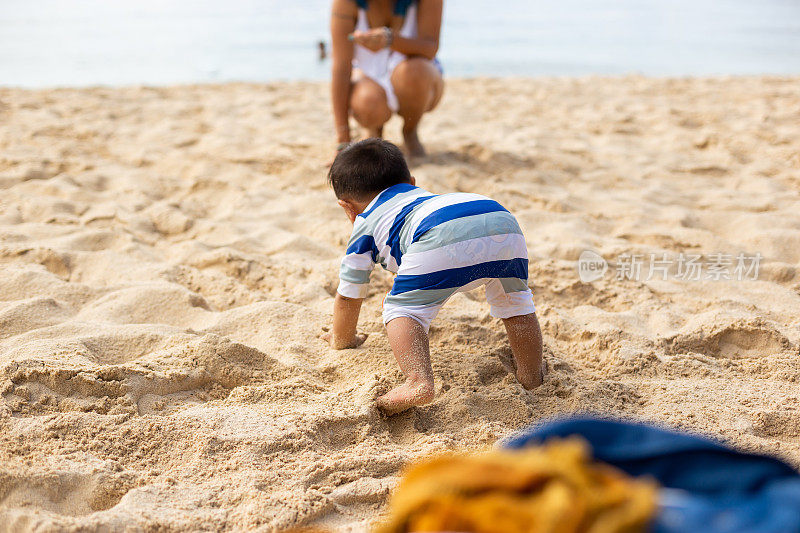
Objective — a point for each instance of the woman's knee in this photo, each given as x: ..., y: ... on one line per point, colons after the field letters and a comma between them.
x: 414, y: 75
x: 369, y: 106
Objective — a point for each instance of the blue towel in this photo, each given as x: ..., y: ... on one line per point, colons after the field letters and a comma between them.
x: 707, y: 486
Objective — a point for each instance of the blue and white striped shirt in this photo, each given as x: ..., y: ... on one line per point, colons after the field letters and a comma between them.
x: 436, y: 244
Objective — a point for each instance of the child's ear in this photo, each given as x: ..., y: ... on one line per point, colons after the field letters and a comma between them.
x: 413, y: 181
x: 349, y: 208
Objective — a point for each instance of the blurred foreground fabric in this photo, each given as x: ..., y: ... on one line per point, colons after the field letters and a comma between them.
x: 706, y: 486
x: 555, y: 487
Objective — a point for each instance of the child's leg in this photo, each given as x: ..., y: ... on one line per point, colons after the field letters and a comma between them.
x: 410, y: 346
x: 525, y: 339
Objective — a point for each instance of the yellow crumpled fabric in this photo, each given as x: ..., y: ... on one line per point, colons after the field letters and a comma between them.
x: 555, y: 487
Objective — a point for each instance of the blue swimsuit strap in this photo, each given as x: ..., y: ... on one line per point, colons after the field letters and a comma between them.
x: 400, y: 6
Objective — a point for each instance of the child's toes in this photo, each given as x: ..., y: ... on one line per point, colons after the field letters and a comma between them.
x: 530, y: 382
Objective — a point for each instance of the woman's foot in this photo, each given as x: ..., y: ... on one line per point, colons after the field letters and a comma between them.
x: 413, y: 145
x: 418, y: 85
x: 409, y: 394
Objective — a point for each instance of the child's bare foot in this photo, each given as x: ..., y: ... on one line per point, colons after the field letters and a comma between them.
x: 531, y: 381
x: 409, y: 342
x: 406, y: 396
x: 525, y: 339
x: 413, y: 145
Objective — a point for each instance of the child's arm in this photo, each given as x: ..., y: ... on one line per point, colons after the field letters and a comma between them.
x: 345, y: 320
x: 357, y: 264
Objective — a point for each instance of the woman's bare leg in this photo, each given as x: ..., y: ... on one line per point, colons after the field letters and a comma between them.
x: 418, y: 85
x: 409, y: 343
x: 525, y: 339
x: 369, y: 107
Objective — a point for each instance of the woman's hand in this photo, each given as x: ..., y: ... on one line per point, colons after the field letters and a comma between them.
x: 374, y: 39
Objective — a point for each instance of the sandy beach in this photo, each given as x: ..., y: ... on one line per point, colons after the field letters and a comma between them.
x: 168, y: 258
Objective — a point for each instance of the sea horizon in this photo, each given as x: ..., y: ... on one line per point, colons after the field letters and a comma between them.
x: 83, y: 43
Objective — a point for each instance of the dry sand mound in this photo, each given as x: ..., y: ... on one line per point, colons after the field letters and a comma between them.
x: 168, y: 257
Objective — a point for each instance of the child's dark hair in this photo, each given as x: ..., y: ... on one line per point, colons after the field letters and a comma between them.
x: 366, y: 168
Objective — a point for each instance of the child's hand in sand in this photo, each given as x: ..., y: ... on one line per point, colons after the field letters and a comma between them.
x: 338, y: 344
x: 343, y: 334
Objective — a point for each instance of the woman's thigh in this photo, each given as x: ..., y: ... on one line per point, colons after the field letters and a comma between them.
x: 418, y: 79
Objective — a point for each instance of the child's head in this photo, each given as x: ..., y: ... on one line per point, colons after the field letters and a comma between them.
x: 365, y: 168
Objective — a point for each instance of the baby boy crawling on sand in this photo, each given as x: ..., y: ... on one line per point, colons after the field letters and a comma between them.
x: 437, y: 245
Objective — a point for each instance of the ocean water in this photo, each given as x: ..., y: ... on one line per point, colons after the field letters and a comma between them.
x: 112, y: 42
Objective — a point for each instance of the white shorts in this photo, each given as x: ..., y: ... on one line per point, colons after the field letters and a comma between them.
x: 502, y: 304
